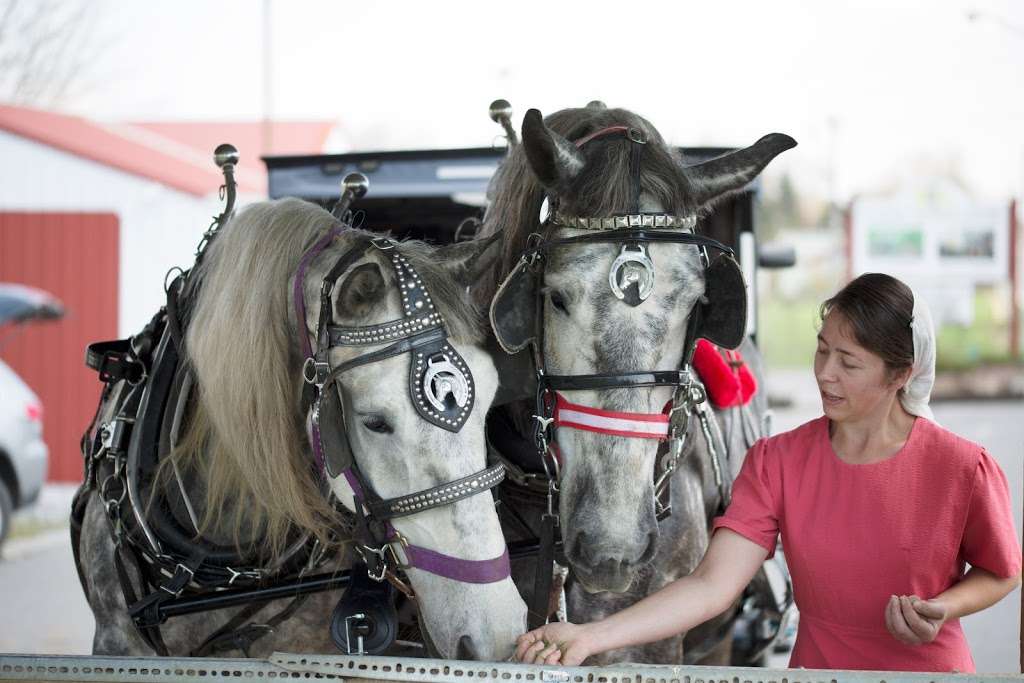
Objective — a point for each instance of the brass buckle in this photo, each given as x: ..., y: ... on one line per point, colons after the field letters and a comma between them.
x: 404, y: 542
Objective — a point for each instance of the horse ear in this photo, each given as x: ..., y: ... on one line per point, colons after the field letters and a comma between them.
x: 715, y: 178
x: 467, y: 261
x: 554, y: 160
x: 360, y: 292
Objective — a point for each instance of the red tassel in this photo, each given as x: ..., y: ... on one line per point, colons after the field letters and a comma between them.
x: 748, y: 383
x: 722, y: 385
x: 727, y: 380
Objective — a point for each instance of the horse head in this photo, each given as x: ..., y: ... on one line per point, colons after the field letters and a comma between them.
x: 611, y: 318
x: 388, y: 422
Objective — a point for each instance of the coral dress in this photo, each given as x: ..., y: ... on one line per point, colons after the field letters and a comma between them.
x: 856, y: 534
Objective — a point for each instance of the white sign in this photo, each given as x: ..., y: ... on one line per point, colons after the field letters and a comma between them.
x: 942, y: 245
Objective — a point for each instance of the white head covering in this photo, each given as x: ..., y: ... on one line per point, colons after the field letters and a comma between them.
x: 918, y: 389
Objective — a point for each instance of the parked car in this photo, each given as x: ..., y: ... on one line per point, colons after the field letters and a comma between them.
x: 23, y: 453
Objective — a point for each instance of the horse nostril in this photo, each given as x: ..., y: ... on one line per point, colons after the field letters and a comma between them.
x: 464, y: 649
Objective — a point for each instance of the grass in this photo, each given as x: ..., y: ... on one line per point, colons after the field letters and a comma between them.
x: 27, y: 527
x: 788, y: 330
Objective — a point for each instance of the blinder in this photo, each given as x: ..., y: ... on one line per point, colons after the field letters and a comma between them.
x: 723, y: 316
x: 513, y: 311
x: 329, y: 414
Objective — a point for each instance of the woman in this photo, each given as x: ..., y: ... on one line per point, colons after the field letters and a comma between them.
x: 879, y: 508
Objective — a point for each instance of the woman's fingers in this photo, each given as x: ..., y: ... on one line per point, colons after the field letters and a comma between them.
x: 554, y: 656
x: 929, y: 609
x: 890, y: 618
x: 924, y: 631
x: 523, y: 643
x: 533, y: 651
x: 898, y: 625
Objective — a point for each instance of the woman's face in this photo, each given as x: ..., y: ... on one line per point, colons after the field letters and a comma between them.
x: 853, y: 381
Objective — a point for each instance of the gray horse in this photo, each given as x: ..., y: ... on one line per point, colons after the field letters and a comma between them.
x: 244, y: 448
x: 599, y: 163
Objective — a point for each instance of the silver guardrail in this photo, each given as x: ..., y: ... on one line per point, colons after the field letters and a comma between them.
x: 286, y: 666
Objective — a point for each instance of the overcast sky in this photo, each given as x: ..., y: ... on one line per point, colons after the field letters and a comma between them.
x: 869, y: 89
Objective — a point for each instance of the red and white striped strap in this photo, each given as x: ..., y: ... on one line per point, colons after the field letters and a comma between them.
x: 637, y: 425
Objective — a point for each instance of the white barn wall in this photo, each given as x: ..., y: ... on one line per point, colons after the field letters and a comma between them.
x: 159, y: 226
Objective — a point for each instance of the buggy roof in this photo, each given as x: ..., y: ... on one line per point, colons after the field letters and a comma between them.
x: 404, y: 174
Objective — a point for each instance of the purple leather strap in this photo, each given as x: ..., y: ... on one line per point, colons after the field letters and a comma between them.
x: 439, y: 564
x: 300, y: 278
x: 467, y: 571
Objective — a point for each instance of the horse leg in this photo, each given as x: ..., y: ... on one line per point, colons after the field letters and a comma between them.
x: 115, y: 633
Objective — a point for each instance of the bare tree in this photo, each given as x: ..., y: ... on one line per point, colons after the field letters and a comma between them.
x: 47, y: 51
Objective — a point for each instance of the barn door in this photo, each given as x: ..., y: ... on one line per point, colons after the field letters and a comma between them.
x: 75, y: 257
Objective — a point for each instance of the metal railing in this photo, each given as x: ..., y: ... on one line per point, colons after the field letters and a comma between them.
x: 287, y: 666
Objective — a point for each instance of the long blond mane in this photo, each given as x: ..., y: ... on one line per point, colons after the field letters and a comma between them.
x: 247, y: 438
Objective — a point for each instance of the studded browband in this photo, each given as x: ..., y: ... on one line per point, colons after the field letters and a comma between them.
x: 620, y: 222
x: 438, y: 496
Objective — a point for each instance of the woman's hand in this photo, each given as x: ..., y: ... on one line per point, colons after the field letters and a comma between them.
x: 556, y: 643
x: 915, y: 621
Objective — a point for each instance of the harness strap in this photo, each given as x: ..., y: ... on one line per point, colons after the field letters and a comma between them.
x: 114, y: 361
x: 146, y: 612
x: 541, y: 599
x: 150, y: 634
x: 445, y: 494
x: 299, y: 299
x: 657, y: 378
x: 418, y: 557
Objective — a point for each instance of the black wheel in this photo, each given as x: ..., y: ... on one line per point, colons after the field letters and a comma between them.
x: 6, y: 508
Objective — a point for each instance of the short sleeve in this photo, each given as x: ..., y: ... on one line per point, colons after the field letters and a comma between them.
x: 990, y: 540
x: 754, y: 512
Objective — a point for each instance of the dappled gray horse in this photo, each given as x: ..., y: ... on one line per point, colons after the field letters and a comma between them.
x: 320, y: 360
x: 610, y: 291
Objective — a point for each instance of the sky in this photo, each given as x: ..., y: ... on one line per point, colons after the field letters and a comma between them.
x: 874, y: 91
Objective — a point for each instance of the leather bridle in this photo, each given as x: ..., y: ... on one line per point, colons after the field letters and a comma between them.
x: 435, y: 363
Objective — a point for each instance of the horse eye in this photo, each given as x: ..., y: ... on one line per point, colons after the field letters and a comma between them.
x: 376, y: 423
x: 558, y: 301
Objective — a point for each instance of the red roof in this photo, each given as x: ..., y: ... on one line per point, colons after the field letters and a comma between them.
x: 286, y: 137
x: 179, y: 155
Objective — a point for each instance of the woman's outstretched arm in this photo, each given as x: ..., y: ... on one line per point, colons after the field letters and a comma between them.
x: 728, y: 566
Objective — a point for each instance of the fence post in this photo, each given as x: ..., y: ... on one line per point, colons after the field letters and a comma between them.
x: 1014, y: 285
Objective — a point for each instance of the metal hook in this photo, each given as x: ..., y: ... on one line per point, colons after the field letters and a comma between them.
x: 353, y: 186
x: 226, y: 157
x: 500, y: 112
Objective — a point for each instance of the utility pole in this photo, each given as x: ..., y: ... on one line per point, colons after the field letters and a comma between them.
x: 268, y: 82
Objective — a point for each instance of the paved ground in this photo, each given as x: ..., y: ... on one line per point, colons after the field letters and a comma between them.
x: 42, y: 609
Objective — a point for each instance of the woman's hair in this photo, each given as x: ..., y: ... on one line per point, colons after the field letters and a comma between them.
x: 878, y: 308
